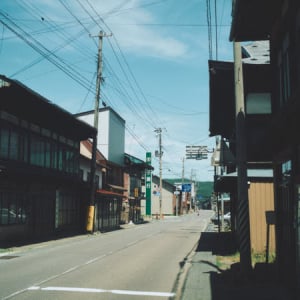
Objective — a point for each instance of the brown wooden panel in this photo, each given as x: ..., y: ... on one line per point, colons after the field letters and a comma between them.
x: 261, y: 199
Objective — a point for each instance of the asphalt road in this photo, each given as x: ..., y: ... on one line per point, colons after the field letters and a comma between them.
x: 139, y: 262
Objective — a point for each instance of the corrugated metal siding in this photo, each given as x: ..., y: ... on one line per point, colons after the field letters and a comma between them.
x: 261, y: 199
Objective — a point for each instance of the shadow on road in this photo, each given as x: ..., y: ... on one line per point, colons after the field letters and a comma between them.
x: 229, y: 283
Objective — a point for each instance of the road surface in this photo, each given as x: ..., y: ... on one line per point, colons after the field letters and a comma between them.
x: 139, y: 262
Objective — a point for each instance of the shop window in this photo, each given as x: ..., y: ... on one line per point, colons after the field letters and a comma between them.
x: 67, y: 209
x: 13, y: 208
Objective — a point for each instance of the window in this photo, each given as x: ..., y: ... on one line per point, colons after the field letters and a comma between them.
x: 9, y: 143
x: 97, y: 181
x: 23, y: 146
x: 13, y: 145
x: 47, y: 154
x: 258, y: 103
x: 37, y: 151
x: 67, y: 209
x: 54, y: 155
x: 26, y: 142
x: 4, y: 142
x: 13, y: 208
x: 81, y: 174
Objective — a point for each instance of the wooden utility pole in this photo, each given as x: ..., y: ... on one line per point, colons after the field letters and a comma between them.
x: 91, y: 208
x: 241, y: 160
x: 182, y: 182
x: 160, y: 153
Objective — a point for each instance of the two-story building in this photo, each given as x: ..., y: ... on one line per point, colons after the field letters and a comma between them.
x: 41, y: 193
x: 111, y: 144
x: 134, y: 180
x: 279, y: 22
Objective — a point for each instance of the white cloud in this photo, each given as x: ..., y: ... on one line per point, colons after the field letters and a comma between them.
x: 134, y: 37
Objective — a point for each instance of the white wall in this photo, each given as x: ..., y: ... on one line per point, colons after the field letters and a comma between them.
x: 116, y: 139
x: 85, y: 166
x: 167, y: 201
x: 111, y: 134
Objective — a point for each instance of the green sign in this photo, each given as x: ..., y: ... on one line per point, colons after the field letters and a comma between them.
x: 148, y: 185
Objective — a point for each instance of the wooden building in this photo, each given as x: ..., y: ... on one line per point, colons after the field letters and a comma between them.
x: 134, y: 178
x: 109, y: 189
x: 261, y: 202
x: 257, y: 87
x: 279, y: 22
x: 41, y: 193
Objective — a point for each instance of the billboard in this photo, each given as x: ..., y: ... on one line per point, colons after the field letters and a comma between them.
x: 196, y: 152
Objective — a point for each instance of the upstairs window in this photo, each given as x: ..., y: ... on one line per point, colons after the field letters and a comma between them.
x: 258, y: 103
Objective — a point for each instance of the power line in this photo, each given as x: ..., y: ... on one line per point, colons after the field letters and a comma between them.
x: 172, y: 24
x: 149, y: 117
x: 118, y: 60
x: 216, y: 29
x: 44, y: 52
x: 208, y: 18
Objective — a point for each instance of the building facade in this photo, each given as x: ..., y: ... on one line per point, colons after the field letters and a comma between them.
x: 168, y: 198
x: 111, y: 133
x: 279, y: 22
x: 41, y: 193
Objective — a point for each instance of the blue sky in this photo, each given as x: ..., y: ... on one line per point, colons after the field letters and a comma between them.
x: 155, y: 66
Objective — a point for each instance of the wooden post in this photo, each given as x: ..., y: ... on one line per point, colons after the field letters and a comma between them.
x: 241, y: 161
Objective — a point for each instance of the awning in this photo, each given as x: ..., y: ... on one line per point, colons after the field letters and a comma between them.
x: 109, y: 193
x: 117, y: 187
x: 228, y: 182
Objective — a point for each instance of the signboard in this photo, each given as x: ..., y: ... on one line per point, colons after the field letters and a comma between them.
x: 186, y: 187
x: 148, y: 185
x: 196, y: 152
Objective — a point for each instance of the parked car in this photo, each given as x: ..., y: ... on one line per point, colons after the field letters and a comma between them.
x: 227, y: 219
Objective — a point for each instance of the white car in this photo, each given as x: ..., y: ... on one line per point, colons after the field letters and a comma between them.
x: 227, y: 218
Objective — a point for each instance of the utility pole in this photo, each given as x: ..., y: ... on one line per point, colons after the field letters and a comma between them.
x: 160, y: 153
x: 182, y: 182
x: 241, y: 160
x: 91, y: 208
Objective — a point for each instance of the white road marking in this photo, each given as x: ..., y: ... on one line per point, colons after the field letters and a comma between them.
x: 93, y: 290
x: 132, y: 243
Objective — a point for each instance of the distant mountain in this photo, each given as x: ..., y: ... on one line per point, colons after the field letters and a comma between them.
x: 204, y: 189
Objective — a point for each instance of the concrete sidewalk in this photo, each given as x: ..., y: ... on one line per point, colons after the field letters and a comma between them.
x: 206, y: 281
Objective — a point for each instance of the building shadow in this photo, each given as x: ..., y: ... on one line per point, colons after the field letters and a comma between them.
x: 230, y: 283
x: 222, y: 243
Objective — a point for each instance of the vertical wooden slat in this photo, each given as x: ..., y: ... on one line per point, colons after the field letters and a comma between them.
x: 261, y: 199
